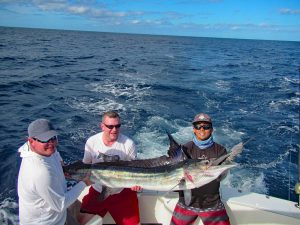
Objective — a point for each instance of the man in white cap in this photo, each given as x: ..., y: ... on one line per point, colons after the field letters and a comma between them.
x: 205, y: 201
x: 42, y: 190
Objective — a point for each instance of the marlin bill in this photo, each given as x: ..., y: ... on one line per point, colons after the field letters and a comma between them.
x: 170, y: 174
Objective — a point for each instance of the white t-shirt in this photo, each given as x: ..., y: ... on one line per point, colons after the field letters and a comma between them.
x: 124, y: 147
x: 42, y: 190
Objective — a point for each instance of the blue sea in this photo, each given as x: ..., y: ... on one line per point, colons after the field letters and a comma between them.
x: 157, y: 83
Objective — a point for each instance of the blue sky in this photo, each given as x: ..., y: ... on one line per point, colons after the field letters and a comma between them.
x: 246, y: 19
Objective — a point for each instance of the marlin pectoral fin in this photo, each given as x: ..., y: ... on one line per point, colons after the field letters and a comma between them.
x: 181, y: 182
x: 187, y: 197
x: 186, y: 193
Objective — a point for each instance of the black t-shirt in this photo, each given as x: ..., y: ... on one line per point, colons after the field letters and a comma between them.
x: 208, y: 195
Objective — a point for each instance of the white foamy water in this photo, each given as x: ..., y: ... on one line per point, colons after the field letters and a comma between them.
x: 246, y: 182
x: 7, y: 214
x: 95, y: 106
x: 131, y: 91
x: 223, y: 85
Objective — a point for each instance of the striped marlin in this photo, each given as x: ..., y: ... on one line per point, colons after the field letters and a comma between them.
x: 164, y: 173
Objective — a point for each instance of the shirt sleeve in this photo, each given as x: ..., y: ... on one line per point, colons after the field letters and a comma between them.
x: 52, y: 191
x: 87, y: 157
x: 58, y: 156
x: 74, y: 193
x: 132, y: 154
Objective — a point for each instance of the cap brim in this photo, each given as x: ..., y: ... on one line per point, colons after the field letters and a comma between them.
x: 198, y: 121
x: 47, y: 135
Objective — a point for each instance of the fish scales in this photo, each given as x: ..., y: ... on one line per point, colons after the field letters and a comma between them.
x: 161, y: 178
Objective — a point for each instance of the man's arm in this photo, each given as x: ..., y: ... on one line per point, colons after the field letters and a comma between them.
x: 52, y: 190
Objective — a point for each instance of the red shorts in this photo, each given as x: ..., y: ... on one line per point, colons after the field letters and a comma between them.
x: 123, y: 207
x: 182, y: 216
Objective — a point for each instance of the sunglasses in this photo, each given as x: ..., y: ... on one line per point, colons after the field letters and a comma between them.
x: 44, y: 142
x: 112, y: 126
x: 205, y: 127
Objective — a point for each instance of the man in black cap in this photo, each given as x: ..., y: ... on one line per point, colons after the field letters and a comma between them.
x: 42, y: 190
x: 205, y: 201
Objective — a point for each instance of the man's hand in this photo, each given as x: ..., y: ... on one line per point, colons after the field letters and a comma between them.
x: 87, y: 180
x: 136, y: 188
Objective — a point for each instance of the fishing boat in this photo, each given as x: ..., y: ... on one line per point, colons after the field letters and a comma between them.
x: 156, y: 208
x: 242, y: 207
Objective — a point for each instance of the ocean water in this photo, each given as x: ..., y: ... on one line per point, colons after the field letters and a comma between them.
x: 157, y: 83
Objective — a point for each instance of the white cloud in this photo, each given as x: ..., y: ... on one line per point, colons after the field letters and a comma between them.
x: 51, y: 5
x: 105, y: 13
x: 135, y: 21
x: 78, y: 9
x: 235, y: 28
x: 289, y: 11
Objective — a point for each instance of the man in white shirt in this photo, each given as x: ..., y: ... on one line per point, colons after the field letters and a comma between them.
x: 122, y: 204
x: 42, y: 190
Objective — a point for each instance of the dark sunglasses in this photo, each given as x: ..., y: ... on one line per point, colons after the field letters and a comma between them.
x: 205, y: 127
x: 44, y: 142
x: 112, y: 126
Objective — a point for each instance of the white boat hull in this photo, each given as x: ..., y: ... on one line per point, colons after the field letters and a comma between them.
x: 243, y: 208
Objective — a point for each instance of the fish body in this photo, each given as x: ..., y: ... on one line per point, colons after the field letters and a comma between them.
x: 165, y: 173
x: 184, y: 175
